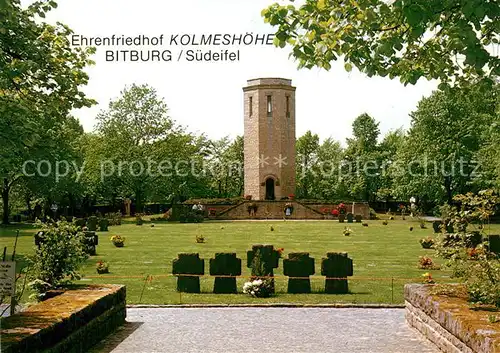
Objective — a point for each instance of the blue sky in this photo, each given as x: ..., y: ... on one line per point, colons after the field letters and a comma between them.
x: 208, y: 97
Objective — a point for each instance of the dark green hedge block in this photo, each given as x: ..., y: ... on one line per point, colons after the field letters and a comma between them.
x: 350, y: 217
x: 263, y: 259
x: 436, y: 225
x: 448, y: 226
x: 71, y: 322
x: 473, y: 239
x: 188, y: 284
x: 470, y: 240
x: 494, y: 243
x: 92, y: 223
x: 267, y: 253
x: 358, y: 218
x: 298, y: 265
x: 341, y: 218
x: 336, y: 267
x: 225, y: 264
x: 188, y: 264
x: 80, y: 222
x: 103, y: 225
x: 191, y: 217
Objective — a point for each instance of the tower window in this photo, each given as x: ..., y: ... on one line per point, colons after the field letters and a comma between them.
x: 287, y: 106
x: 269, y: 106
x: 250, y: 106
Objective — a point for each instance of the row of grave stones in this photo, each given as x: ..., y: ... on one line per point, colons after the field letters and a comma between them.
x: 472, y: 238
x: 93, y: 223
x: 263, y: 259
x: 350, y: 218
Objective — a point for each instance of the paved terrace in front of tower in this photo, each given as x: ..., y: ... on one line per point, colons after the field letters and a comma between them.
x: 265, y: 330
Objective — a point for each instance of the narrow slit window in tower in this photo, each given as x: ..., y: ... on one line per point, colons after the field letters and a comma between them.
x: 269, y: 106
x: 250, y: 106
x: 287, y: 106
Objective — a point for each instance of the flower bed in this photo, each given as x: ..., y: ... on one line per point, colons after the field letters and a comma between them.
x: 447, y: 320
x: 70, y: 322
x: 118, y: 241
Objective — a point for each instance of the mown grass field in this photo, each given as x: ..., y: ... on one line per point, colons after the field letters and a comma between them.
x: 385, y: 257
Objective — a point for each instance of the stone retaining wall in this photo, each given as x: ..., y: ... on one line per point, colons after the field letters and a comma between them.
x: 275, y: 210
x: 449, y: 322
x: 70, y: 322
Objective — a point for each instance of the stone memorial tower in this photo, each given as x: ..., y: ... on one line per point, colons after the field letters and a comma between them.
x: 269, y: 138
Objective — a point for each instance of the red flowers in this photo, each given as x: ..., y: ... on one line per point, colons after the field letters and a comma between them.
x: 473, y: 253
x: 280, y: 251
x: 335, y: 212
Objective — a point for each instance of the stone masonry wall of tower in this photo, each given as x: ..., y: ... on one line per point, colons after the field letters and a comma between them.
x: 269, y: 137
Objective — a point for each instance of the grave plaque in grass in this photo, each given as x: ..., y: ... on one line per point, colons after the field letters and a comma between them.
x: 336, y: 267
x: 225, y: 264
x: 103, y: 224
x: 92, y: 223
x: 436, y: 225
x: 341, y: 218
x: 358, y: 218
x: 298, y: 265
x: 190, y: 265
x: 494, y: 243
x: 350, y: 217
x: 263, y: 259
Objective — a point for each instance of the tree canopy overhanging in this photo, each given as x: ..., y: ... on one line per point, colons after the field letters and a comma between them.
x: 453, y: 41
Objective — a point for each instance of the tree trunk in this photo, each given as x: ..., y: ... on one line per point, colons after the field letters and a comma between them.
x: 449, y: 191
x: 5, y: 200
x: 114, y: 203
x: 28, y: 205
x: 139, y: 206
x: 240, y: 189
x: 72, y: 205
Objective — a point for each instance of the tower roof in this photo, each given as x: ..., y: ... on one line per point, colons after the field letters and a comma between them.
x: 269, y: 82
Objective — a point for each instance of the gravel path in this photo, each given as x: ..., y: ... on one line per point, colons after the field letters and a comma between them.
x: 276, y: 330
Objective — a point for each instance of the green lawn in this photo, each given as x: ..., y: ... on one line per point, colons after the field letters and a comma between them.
x: 385, y: 257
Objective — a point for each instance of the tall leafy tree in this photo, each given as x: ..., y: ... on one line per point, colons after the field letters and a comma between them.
x: 225, y: 164
x: 489, y: 158
x: 437, y: 39
x: 438, y: 159
x: 307, y: 149
x: 62, y: 185
x: 41, y: 76
x: 327, y: 182
x: 141, y: 152
x: 393, y: 141
x: 362, y: 159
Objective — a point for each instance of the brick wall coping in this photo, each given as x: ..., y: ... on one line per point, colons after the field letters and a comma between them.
x: 74, y: 313
x: 449, y: 322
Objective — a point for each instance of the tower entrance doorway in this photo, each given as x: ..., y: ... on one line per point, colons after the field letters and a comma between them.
x: 270, y: 189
